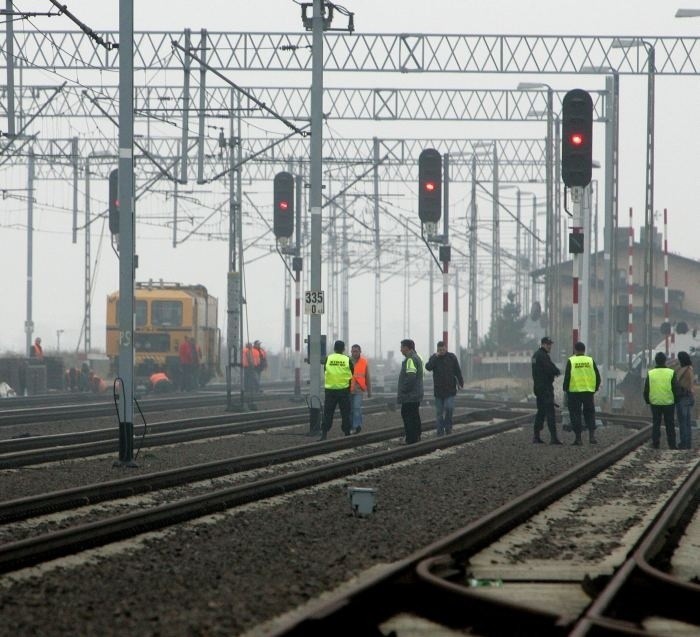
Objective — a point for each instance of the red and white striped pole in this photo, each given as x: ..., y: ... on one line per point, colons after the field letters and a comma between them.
x: 445, y: 304
x: 630, y: 292
x: 575, y: 315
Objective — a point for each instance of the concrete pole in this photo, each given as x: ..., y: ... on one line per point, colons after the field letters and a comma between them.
x: 649, y: 208
x: 550, y: 250
x: 126, y: 231
x: 577, y: 195
x: 316, y: 219
x: 446, y: 250
x: 345, y: 281
x: 518, y: 253
x: 175, y: 193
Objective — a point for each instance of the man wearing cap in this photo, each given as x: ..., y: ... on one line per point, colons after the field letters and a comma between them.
x: 544, y: 371
x: 338, y: 374
x: 660, y: 391
x: 581, y: 382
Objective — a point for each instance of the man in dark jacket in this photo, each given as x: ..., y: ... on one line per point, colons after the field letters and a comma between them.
x: 410, y: 391
x: 544, y: 371
x: 446, y: 375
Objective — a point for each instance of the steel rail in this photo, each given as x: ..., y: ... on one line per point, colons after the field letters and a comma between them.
x: 410, y: 585
x: 33, y: 551
x: 30, y: 506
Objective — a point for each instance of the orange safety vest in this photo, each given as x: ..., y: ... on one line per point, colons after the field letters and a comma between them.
x: 250, y: 357
x: 359, y: 374
x: 37, y: 351
x: 157, y: 377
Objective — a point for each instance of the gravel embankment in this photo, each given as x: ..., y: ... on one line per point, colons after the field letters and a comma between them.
x: 228, y: 573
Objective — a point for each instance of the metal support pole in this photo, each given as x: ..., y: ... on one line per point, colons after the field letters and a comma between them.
x: 377, y: 258
x: 446, y: 243
x: 550, y: 250
x: 518, y: 252
x: 577, y: 195
x: 649, y: 208
x: 29, y: 323
x: 202, y: 104
x: 473, y: 331
x: 558, y: 231
x: 344, y: 281
x: 458, y: 330
x: 431, y: 304
x: 534, y: 242
x: 76, y: 173
x: 316, y: 218
x: 127, y: 260
x: 175, y: 198
x: 87, y: 287
x: 496, y: 253
x: 584, y: 334
x: 297, y: 266
x: 10, y: 50
x: 610, y: 265
x: 187, y: 61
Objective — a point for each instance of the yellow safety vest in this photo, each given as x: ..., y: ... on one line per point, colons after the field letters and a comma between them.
x: 660, y: 387
x: 337, y: 372
x: 582, y: 374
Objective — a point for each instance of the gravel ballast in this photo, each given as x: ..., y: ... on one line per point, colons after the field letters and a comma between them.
x: 228, y: 573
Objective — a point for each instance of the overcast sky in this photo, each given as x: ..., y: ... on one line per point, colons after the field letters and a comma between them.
x: 58, y: 264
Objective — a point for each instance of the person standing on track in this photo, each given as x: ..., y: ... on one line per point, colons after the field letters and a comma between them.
x: 686, y: 400
x: 446, y: 376
x: 359, y: 386
x: 660, y: 391
x: 544, y: 371
x: 410, y: 390
x: 581, y: 382
x: 338, y: 374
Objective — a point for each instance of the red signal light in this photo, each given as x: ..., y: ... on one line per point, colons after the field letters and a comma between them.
x: 576, y: 139
x: 284, y: 205
x: 430, y: 186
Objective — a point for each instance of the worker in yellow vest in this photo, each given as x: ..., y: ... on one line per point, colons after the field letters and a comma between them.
x: 660, y: 391
x: 360, y: 385
x: 581, y: 382
x: 338, y: 374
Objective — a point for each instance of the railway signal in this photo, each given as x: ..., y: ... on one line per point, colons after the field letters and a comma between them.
x: 577, y: 138
x: 429, y: 186
x: 283, y: 220
x: 114, y: 201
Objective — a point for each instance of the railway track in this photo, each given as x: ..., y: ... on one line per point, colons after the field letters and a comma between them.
x: 25, y: 552
x: 533, y: 566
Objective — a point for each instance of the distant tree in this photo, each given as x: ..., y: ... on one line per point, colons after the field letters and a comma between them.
x: 506, y: 332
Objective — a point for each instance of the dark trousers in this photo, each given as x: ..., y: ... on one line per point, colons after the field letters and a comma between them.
x: 340, y: 397
x: 578, y: 402
x: 410, y: 413
x: 667, y: 412
x: 545, y: 410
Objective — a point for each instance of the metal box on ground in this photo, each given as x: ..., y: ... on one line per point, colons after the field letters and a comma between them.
x: 362, y: 500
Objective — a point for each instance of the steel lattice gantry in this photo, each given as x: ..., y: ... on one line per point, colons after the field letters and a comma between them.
x: 166, y: 103
x: 520, y: 160
x: 371, y: 52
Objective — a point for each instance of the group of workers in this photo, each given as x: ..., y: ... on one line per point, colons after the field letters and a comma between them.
x: 347, y: 381
x: 667, y: 391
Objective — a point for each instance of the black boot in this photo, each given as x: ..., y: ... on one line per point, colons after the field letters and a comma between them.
x: 591, y: 438
x: 536, y: 440
x: 577, y: 441
x: 555, y: 441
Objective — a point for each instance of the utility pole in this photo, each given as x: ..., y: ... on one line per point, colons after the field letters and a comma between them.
x: 377, y: 257
x: 29, y: 323
x: 316, y: 219
x: 473, y: 332
x: 127, y: 261
x: 87, y: 283
x: 10, y: 50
